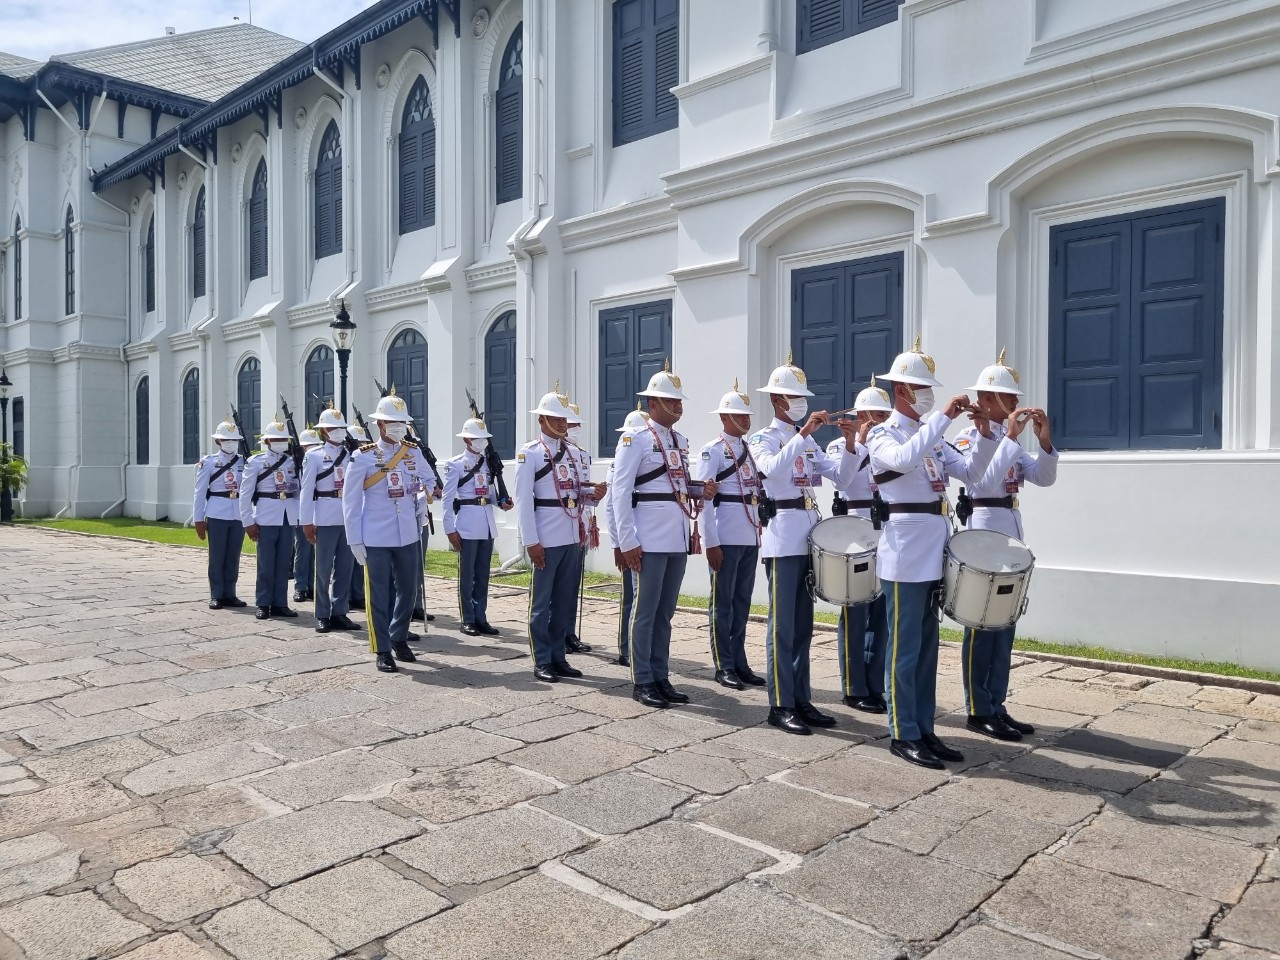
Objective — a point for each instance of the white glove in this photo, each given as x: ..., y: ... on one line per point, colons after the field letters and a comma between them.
x: 358, y: 551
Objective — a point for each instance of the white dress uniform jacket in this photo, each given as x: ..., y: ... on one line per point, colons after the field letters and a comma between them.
x: 471, y: 521
x: 219, y: 507
x: 861, y: 487
x: 659, y: 526
x: 1011, y: 466
x: 731, y: 523
x: 549, y: 526
x: 277, y: 490
x: 793, y: 467
x: 912, y: 544
x: 386, y: 514
x: 325, y: 511
x: 610, y: 521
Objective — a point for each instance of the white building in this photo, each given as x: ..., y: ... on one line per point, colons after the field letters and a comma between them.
x: 512, y: 193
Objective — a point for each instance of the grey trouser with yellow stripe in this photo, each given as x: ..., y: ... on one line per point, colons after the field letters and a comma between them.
x: 730, y: 605
x: 624, y: 615
x: 985, y: 659
x: 911, y: 668
x: 552, y: 603
x: 391, y: 578
x: 473, y: 580
x: 789, y: 631
x: 861, y: 639
x: 657, y: 593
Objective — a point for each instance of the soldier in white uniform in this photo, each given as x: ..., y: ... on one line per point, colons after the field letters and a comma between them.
x: 469, y: 499
x: 304, y: 552
x: 269, y: 512
x: 324, y: 471
x: 863, y: 631
x: 573, y: 643
x: 217, y: 514
x: 652, y: 513
x: 986, y: 654
x: 550, y: 512
x: 911, y: 465
x: 634, y: 420
x: 793, y: 466
x: 381, y: 511
x: 355, y: 597
x: 731, y: 532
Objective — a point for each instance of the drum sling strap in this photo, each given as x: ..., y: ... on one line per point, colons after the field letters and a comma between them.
x: 229, y: 464
x: 270, y: 470
x: 316, y: 494
x: 475, y: 501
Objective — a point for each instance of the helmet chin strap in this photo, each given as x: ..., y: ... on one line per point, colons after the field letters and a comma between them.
x: 1000, y: 403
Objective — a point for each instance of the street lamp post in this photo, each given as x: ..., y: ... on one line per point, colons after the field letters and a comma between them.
x: 6, y: 497
x: 343, y: 329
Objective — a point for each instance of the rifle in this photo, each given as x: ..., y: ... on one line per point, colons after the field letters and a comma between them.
x: 491, y: 458
x: 360, y: 421
x: 295, y: 443
x: 245, y: 450
x: 421, y: 444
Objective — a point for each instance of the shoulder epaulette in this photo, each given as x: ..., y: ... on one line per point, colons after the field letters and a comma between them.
x: 366, y: 447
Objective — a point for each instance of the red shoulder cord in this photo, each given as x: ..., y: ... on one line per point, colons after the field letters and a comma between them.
x: 728, y: 449
x: 573, y: 513
x: 688, y: 506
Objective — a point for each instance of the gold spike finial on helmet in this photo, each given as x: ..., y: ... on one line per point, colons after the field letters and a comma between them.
x: 915, y: 347
x: 1000, y: 359
x: 666, y: 365
x: 638, y: 406
x: 735, y: 385
x: 789, y: 363
x: 392, y: 391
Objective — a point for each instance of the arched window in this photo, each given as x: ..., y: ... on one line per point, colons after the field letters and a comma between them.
x: 17, y: 268
x: 509, y: 118
x: 249, y: 393
x: 149, y: 257
x: 407, y: 372
x: 69, y: 263
x: 142, y: 421
x: 198, y: 248
x: 417, y: 161
x: 318, y: 381
x: 500, y: 384
x: 191, y: 417
x: 258, y: 223
x: 328, y: 195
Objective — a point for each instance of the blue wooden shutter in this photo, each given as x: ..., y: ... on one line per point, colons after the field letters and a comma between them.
x: 876, y: 13
x: 630, y: 117
x: 509, y: 120
x: 328, y: 194
x: 191, y: 417
x: 666, y: 59
x: 142, y: 421
x: 318, y: 382
x: 820, y: 22
x: 249, y: 393
x: 19, y: 427
x: 1176, y: 337
x: 635, y: 342
x: 407, y: 372
x: 150, y: 269
x: 69, y: 264
x: 324, y: 213
x: 500, y: 384
x: 427, y: 173
x: 417, y: 161
x: 198, y: 249
x: 410, y: 180
x: 258, y: 223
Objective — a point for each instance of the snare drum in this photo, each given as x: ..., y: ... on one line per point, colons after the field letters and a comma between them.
x: 843, y: 553
x: 986, y: 579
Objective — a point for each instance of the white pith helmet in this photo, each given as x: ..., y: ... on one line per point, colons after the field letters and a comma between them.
x: 575, y: 415
x: 357, y: 433
x: 553, y: 404
x: 663, y: 384
x: 276, y: 430
x: 735, y: 402
x: 873, y: 398
x: 331, y: 419
x: 912, y: 367
x: 474, y: 429
x: 999, y: 378
x: 788, y: 380
x: 227, y: 431
x: 309, y: 438
x: 636, y: 419
x: 392, y: 408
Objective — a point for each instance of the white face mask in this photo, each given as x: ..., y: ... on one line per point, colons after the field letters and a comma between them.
x: 797, y: 409
x: 395, y: 431
x: 574, y: 432
x: 478, y: 446
x: 228, y: 446
x: 924, y: 401
x: 277, y: 446
x: 337, y: 436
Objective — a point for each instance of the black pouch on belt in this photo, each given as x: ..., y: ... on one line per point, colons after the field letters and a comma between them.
x: 964, y: 508
x: 767, y: 509
x: 839, y: 506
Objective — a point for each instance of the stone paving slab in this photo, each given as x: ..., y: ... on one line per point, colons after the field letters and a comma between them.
x: 151, y: 759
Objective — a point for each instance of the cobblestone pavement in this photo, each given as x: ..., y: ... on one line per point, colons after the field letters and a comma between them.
x: 179, y: 783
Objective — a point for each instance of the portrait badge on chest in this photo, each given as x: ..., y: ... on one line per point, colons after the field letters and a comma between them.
x: 799, y: 473
x: 395, y: 485
x: 937, y: 482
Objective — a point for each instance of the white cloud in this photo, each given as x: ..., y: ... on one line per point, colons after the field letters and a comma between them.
x: 40, y: 29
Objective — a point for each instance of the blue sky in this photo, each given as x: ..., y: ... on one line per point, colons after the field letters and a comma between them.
x: 39, y: 28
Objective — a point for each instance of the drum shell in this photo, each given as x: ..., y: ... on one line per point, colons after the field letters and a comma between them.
x: 981, y: 599
x: 844, y: 579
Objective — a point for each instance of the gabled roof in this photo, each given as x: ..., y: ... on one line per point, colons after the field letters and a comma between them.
x: 204, y: 64
x: 19, y: 68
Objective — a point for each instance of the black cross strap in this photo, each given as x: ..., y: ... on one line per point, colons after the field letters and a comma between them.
x: 271, y: 469
x: 315, y: 494
x: 729, y: 471
x: 547, y: 467
x: 227, y: 466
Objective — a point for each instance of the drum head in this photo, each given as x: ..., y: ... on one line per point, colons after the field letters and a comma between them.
x: 847, y: 535
x: 990, y: 551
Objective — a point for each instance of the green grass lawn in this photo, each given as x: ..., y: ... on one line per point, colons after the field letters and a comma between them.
x: 444, y: 563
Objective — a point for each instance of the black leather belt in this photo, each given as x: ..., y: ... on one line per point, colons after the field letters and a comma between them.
x: 747, y: 498
x: 226, y: 494
x: 555, y: 503
x: 1007, y: 503
x: 326, y: 494
x: 477, y: 502
x: 654, y: 498
x: 859, y: 504
x: 799, y: 503
x: 937, y: 508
